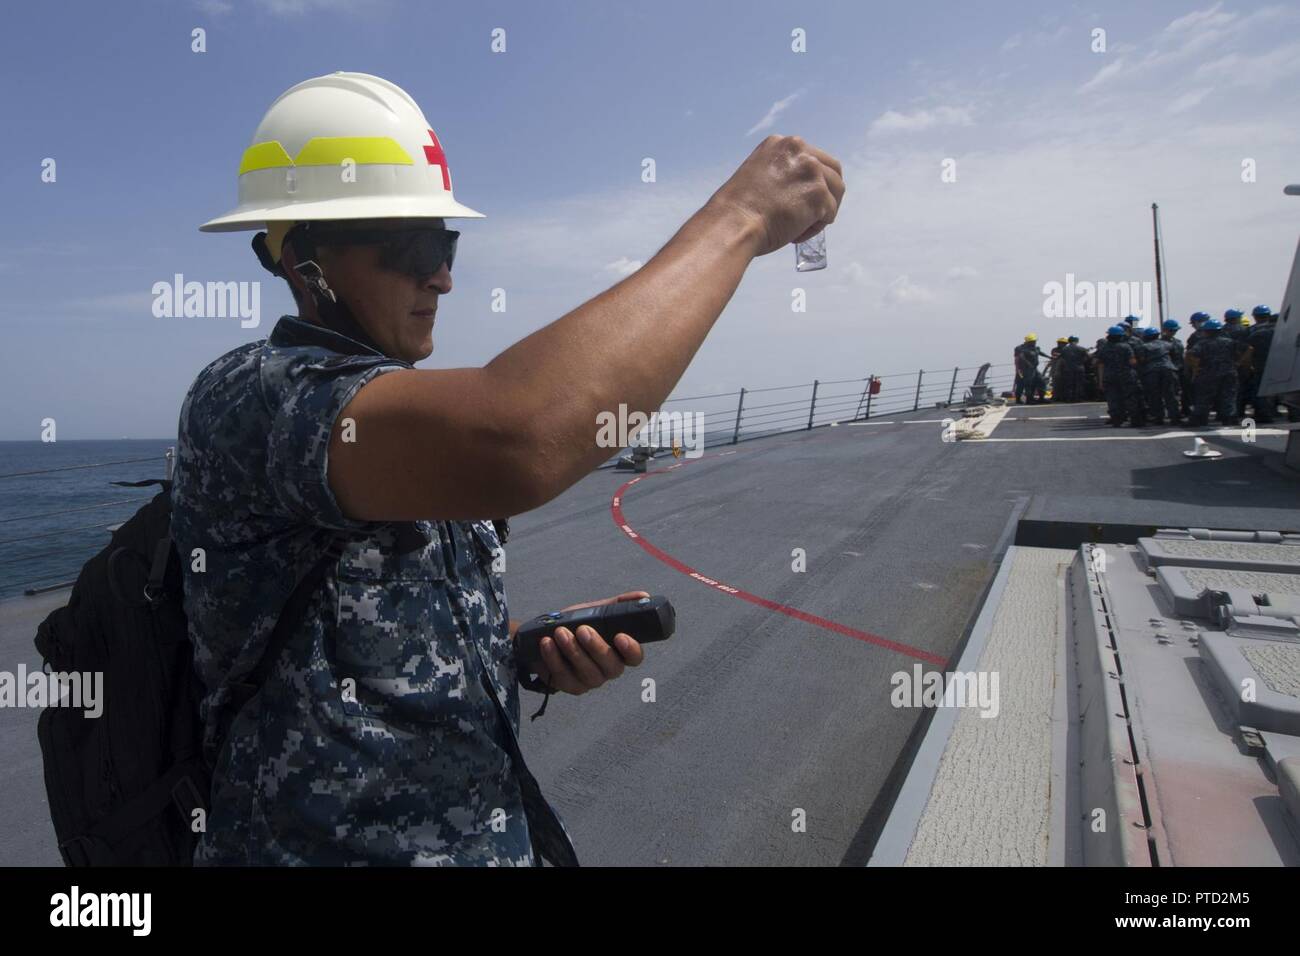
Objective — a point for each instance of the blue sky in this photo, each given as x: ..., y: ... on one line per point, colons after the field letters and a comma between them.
x: 1059, y: 152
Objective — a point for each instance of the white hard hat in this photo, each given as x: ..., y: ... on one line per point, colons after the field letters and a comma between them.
x: 296, y: 167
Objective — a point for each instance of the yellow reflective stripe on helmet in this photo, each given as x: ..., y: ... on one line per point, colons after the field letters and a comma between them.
x: 264, y: 156
x: 326, y: 151
x: 332, y: 150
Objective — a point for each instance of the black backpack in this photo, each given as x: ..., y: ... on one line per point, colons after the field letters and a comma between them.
x: 123, y: 787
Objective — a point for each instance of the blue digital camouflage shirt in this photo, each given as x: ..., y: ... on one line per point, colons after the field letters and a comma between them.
x: 1217, y: 354
x: 1114, y: 358
x: 412, y: 767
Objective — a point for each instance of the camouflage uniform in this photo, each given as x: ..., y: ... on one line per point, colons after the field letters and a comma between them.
x: 1240, y: 334
x: 1260, y: 341
x: 1177, y: 355
x: 1029, y: 381
x: 1119, y: 383
x: 1072, y: 372
x: 1189, y: 388
x: 417, y: 765
x: 1216, y: 378
x: 1159, y: 380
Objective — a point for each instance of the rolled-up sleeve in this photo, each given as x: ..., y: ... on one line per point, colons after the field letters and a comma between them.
x: 305, y: 394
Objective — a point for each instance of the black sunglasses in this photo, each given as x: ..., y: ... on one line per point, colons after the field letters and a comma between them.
x: 418, y: 251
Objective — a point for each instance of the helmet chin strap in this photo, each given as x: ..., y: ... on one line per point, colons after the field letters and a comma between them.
x: 321, y: 303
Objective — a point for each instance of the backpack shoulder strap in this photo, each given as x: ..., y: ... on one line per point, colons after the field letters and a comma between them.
x: 291, y: 615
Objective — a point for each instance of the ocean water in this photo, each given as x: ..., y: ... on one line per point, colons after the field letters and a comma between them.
x: 54, y: 521
x: 57, y: 499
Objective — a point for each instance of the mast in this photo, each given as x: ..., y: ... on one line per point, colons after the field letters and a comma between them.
x: 1160, y: 288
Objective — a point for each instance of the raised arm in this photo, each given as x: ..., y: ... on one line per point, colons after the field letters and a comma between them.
x: 507, y: 437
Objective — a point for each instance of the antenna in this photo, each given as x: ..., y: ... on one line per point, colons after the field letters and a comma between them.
x: 1160, y: 286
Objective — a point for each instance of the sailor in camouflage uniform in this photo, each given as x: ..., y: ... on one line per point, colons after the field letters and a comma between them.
x: 1214, y: 361
x: 1159, y: 377
x: 1236, y: 329
x: 1197, y: 321
x: 1029, y: 380
x: 374, y: 740
x: 1169, y: 333
x: 1260, y: 341
x: 1117, y: 367
x: 1071, y: 364
x: 385, y: 730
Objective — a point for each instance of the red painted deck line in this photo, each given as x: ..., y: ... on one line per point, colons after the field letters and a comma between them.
x: 616, y: 510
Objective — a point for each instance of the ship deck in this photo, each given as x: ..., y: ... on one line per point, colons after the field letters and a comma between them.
x: 771, y: 737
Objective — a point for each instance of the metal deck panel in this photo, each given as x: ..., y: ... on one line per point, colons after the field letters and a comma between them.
x: 1216, y: 803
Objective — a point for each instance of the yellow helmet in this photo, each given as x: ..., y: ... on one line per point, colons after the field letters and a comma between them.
x: 1031, y: 337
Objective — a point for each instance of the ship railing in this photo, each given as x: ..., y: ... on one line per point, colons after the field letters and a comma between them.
x: 727, y: 418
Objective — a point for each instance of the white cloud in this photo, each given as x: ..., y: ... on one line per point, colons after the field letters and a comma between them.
x: 1033, y: 38
x: 856, y: 273
x: 109, y: 302
x: 108, y: 307
x: 903, y: 291
x: 1048, y: 185
x: 1198, y: 19
x: 1105, y: 74
x: 623, y: 266
x: 775, y: 110
x: 1189, y: 100
x: 294, y: 8
x: 1222, y: 68
x: 1260, y: 70
x: 1191, y: 38
x: 892, y: 121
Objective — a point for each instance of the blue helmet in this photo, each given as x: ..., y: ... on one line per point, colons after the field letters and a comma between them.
x: 1170, y: 325
x: 1132, y: 319
x: 1117, y: 330
x: 1199, y: 317
x: 1212, y: 325
x: 1150, y: 333
x: 1261, y: 311
x: 1232, y: 315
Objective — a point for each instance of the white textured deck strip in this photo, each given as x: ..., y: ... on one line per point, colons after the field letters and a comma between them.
x: 1232, y: 550
x: 1277, y: 664
x: 1259, y: 582
x: 990, y: 802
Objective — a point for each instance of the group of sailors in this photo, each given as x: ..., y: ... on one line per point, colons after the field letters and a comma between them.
x: 1148, y: 376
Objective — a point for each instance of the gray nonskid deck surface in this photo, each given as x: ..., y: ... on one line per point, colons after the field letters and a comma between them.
x: 1213, y: 803
x: 760, y: 719
x: 1277, y: 664
x: 757, y: 714
x: 26, y: 834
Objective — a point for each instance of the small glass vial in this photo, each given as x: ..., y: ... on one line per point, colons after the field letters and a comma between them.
x: 811, y: 255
